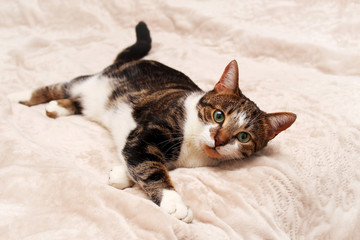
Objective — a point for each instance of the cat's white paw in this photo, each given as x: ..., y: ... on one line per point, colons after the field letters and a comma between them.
x: 54, y: 110
x: 23, y: 96
x: 173, y: 204
x: 119, y: 178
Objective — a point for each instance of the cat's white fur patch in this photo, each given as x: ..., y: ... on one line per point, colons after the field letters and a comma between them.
x: 119, y: 178
x: 173, y: 204
x: 206, y: 135
x: 120, y: 122
x: 22, y: 96
x: 94, y: 93
x: 192, y: 154
x: 241, y: 119
x: 230, y: 150
x: 54, y: 107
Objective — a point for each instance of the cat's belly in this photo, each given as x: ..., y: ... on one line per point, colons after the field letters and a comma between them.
x: 94, y: 96
x: 120, y: 123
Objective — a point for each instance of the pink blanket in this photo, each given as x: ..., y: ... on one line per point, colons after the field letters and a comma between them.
x: 298, y: 56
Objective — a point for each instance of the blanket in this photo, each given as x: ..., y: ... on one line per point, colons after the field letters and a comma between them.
x: 296, y: 56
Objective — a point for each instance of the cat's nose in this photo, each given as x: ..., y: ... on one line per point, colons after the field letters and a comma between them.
x: 219, y: 142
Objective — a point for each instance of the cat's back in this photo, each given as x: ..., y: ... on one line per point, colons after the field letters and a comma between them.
x: 148, y: 75
x: 153, y: 89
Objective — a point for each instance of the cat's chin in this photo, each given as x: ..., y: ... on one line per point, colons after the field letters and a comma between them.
x: 211, y: 152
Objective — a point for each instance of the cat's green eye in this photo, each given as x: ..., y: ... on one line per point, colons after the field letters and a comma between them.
x: 243, y: 137
x: 219, y: 116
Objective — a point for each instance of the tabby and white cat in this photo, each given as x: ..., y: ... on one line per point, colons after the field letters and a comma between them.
x: 161, y: 120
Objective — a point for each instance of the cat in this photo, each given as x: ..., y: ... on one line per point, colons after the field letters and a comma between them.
x: 161, y: 120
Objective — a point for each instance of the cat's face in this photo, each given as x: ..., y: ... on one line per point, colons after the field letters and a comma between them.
x: 233, y: 126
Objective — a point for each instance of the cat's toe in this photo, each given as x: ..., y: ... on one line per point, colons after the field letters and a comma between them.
x: 189, y: 216
x: 118, y: 178
x: 173, y: 204
x: 54, y: 110
x: 20, y: 97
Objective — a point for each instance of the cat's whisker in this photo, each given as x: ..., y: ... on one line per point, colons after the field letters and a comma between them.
x: 171, y: 140
x: 172, y: 147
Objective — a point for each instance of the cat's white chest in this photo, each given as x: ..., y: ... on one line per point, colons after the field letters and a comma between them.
x: 191, y: 154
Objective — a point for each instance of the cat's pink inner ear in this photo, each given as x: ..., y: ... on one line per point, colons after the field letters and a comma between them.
x: 229, y: 81
x: 279, y: 122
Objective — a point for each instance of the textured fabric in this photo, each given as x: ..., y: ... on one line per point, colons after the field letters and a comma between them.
x: 298, y: 56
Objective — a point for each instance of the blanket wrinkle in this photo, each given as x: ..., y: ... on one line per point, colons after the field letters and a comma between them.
x: 296, y: 56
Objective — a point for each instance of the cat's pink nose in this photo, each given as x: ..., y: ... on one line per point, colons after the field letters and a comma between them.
x: 219, y: 142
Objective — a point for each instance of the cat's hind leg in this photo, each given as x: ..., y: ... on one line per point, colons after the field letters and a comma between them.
x: 40, y: 95
x: 62, y: 107
x: 61, y: 102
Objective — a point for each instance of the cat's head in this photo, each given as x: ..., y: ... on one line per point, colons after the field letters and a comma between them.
x: 234, y: 127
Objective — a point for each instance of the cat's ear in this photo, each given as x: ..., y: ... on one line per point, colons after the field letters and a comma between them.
x: 229, y: 81
x: 278, y: 122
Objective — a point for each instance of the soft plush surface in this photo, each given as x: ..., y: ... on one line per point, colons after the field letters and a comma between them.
x: 298, y: 56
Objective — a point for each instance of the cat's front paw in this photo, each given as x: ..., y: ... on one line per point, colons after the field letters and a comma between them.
x: 118, y: 178
x: 173, y: 204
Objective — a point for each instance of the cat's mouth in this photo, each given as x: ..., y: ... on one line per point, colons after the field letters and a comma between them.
x: 211, y: 152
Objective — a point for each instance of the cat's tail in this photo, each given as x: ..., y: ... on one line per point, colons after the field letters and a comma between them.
x: 140, y: 48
